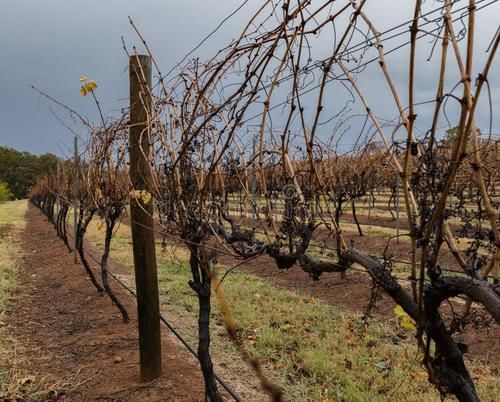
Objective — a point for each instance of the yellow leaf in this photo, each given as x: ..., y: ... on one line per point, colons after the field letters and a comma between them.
x: 407, y: 323
x: 87, y: 87
x: 143, y: 195
x: 405, y: 319
x: 91, y: 85
x: 398, y: 310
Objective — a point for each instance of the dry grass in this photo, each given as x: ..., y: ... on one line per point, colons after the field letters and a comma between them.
x: 11, y: 224
x: 12, y: 382
x: 16, y: 384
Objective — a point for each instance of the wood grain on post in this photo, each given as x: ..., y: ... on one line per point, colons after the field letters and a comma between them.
x: 141, y: 212
x: 76, y: 188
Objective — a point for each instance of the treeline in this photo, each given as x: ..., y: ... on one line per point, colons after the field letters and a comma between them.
x: 20, y: 170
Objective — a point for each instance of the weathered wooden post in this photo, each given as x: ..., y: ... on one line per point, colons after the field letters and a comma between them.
x: 76, y: 188
x: 398, y: 222
x: 141, y: 214
x: 254, y: 186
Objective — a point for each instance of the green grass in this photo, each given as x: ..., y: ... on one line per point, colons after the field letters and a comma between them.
x: 11, y: 223
x: 12, y: 213
x: 314, y: 351
x: 317, y: 352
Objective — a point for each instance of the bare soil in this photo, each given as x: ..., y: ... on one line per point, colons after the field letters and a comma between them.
x: 68, y: 334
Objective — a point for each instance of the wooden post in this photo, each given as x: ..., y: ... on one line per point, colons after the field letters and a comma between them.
x: 369, y: 205
x: 254, y: 186
x: 398, y: 222
x: 141, y: 214
x: 77, y: 199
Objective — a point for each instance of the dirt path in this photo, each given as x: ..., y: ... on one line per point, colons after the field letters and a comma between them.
x: 74, y: 339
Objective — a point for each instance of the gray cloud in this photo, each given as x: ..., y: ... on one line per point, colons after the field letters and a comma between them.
x: 51, y: 43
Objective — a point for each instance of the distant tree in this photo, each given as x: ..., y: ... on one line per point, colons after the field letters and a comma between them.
x: 20, y: 170
x: 451, y: 133
x: 5, y: 194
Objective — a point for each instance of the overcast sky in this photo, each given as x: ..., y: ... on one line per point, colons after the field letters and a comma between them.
x: 51, y: 43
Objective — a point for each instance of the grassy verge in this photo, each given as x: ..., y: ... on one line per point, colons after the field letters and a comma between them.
x: 12, y: 383
x: 317, y: 352
x: 11, y: 223
x: 16, y: 383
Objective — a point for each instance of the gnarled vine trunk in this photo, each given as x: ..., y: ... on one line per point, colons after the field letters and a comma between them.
x: 201, y: 284
x: 81, y: 230
x: 110, y: 224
